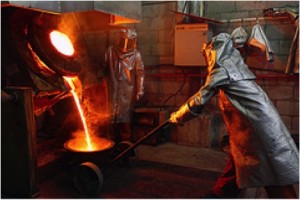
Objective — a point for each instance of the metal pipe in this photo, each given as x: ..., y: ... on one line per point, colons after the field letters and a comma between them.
x: 254, y: 19
x: 201, y: 8
x: 263, y: 76
x: 156, y: 3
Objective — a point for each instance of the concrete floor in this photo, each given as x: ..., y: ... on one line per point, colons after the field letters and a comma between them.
x: 171, y: 156
x: 195, y: 157
x: 207, y: 159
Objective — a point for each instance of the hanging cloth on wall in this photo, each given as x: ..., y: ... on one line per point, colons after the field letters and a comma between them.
x: 258, y: 39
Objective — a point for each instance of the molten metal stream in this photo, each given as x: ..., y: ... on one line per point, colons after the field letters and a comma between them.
x: 86, y: 131
x: 64, y: 45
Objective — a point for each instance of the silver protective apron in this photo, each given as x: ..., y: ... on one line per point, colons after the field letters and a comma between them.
x: 127, y: 81
x: 263, y: 151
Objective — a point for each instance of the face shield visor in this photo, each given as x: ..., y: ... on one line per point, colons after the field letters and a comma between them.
x: 127, y: 40
x: 126, y: 45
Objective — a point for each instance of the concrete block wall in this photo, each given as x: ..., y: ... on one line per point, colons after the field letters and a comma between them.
x: 285, y: 96
x: 163, y: 80
x: 283, y: 93
x: 280, y: 32
x: 242, y: 9
x: 156, y: 32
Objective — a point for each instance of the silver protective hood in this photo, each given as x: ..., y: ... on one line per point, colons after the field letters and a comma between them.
x: 230, y: 58
x: 127, y: 40
x: 239, y: 36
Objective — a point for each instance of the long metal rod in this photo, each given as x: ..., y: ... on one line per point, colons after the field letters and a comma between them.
x: 203, y: 75
x: 161, y: 126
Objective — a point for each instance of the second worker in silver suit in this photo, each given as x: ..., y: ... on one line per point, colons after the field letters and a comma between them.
x: 127, y: 81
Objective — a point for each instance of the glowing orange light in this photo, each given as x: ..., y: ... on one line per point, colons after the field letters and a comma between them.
x: 62, y: 43
x: 99, y: 144
x: 75, y: 96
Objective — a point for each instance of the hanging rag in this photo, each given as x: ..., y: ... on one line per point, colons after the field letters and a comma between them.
x: 258, y: 39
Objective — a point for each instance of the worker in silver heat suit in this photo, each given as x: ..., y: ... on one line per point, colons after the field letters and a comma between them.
x: 262, y: 152
x: 127, y: 81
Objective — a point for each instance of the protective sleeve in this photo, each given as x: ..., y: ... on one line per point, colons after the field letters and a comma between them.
x: 195, y: 104
x: 214, y: 80
x: 140, y: 74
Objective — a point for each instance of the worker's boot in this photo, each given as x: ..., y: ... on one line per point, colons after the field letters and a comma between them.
x: 281, y: 192
x: 226, y: 186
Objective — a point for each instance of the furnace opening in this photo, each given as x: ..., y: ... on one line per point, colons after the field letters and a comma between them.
x: 62, y: 43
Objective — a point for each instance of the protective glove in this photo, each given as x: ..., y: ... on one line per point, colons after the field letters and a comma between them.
x: 186, y: 112
x: 183, y: 114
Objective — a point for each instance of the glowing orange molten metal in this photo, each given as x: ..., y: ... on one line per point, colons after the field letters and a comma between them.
x: 98, y: 144
x: 62, y: 43
x: 88, y: 142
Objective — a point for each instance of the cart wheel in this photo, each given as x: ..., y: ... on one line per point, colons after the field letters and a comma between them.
x: 88, y: 179
x: 131, y: 158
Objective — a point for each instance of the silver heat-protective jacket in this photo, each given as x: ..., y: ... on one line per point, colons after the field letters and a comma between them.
x: 262, y: 148
x: 127, y: 81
